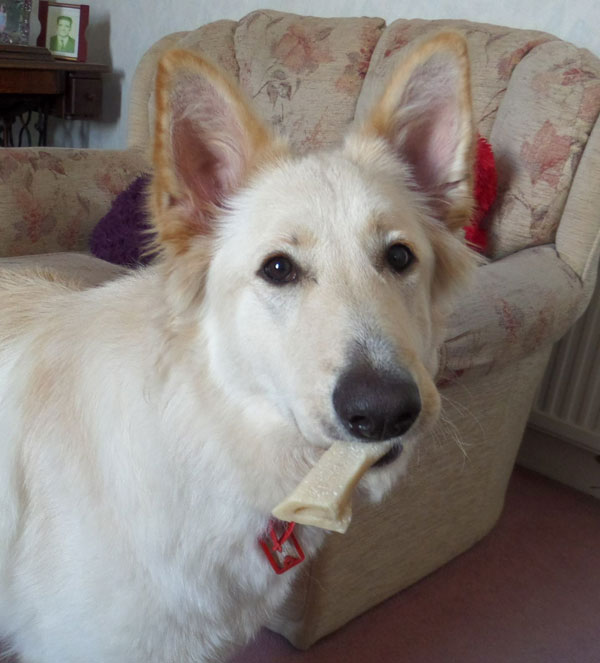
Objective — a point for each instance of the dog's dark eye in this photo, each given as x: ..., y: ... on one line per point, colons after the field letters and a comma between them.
x: 279, y: 270
x: 399, y: 257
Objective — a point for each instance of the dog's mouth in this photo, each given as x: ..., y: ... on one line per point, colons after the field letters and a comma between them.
x: 390, y: 456
x: 394, y: 452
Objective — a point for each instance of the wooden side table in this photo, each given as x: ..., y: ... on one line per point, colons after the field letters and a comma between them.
x: 31, y: 80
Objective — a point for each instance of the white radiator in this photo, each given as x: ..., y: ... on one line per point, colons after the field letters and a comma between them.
x: 567, y: 404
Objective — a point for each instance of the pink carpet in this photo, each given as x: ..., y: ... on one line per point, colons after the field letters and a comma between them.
x: 528, y: 593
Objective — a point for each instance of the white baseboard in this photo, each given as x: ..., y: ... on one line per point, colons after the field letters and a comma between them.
x: 560, y: 460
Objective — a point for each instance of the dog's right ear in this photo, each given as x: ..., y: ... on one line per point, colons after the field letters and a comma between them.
x: 207, y: 143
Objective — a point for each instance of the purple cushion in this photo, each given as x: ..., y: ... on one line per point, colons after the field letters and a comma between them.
x: 121, y: 236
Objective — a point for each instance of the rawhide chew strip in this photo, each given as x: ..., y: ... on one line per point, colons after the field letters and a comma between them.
x: 323, y: 497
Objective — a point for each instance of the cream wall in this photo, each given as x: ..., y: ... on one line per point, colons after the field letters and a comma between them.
x: 121, y: 31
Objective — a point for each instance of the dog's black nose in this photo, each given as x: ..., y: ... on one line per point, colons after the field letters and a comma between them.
x: 376, y: 406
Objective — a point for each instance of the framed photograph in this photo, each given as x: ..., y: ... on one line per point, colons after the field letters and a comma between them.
x: 14, y: 21
x: 63, y: 29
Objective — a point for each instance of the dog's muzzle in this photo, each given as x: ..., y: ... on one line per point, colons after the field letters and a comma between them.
x: 374, y: 405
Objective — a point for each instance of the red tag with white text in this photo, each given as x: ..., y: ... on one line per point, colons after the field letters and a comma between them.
x: 281, y: 546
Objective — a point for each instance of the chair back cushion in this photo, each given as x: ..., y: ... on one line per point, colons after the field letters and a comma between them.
x: 536, y: 97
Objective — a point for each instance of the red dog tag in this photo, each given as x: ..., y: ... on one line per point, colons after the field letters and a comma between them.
x: 281, y: 548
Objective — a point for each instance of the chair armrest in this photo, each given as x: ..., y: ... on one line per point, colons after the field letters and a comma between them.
x: 515, y: 306
x: 51, y: 198
x: 578, y: 236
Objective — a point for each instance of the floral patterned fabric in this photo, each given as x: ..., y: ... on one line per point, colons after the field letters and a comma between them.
x: 304, y: 74
x: 536, y: 98
x: 515, y: 306
x: 543, y: 124
x: 50, y: 199
x: 495, y: 51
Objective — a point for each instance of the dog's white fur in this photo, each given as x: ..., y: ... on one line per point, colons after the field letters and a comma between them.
x: 148, y: 426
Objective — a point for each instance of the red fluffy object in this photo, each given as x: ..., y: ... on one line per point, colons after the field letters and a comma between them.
x: 485, y: 189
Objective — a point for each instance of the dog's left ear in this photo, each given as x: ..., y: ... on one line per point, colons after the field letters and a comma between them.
x: 425, y: 115
x: 207, y: 143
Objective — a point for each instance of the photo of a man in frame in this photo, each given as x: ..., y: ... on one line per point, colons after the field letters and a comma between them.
x: 62, y: 41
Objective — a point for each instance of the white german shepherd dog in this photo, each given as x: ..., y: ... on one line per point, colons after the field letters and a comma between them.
x: 149, y: 425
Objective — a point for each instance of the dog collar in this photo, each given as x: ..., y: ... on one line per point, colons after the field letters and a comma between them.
x: 281, y: 547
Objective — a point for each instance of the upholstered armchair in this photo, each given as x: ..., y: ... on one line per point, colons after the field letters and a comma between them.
x: 536, y: 100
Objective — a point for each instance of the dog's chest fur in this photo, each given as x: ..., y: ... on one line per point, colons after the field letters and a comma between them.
x: 163, y: 540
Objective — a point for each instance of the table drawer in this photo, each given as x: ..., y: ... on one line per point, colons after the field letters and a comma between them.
x: 83, y: 97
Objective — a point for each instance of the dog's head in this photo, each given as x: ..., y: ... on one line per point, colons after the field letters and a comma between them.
x: 321, y: 280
